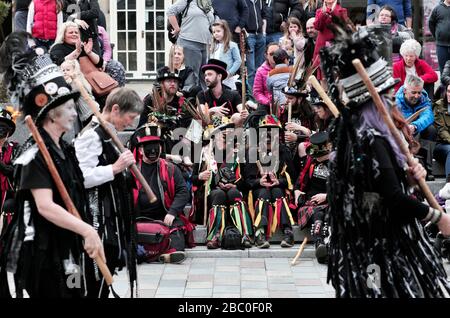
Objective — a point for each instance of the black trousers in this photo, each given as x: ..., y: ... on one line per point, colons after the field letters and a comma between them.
x: 272, y: 194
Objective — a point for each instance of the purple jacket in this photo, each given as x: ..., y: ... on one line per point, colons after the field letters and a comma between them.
x: 260, y: 91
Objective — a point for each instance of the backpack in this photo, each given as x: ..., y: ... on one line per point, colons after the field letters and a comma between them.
x: 180, y: 16
x: 232, y: 239
x: 153, y: 238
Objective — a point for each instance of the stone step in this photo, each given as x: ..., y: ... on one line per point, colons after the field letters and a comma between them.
x: 200, y: 234
x: 275, y: 251
x: 436, y: 185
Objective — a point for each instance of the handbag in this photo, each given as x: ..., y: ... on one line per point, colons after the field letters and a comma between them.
x: 102, y: 84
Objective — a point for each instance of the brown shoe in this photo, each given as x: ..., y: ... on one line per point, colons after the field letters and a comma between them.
x: 213, y: 244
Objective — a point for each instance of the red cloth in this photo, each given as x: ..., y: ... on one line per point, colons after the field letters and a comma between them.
x: 323, y: 20
x: 45, y: 19
x: 424, y: 71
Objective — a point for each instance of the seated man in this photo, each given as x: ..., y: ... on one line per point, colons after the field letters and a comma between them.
x: 217, y: 100
x: 311, y: 192
x: 166, y: 181
x: 412, y: 98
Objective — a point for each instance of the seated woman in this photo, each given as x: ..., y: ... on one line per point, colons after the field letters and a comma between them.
x: 411, y: 64
x: 187, y: 85
x: 400, y: 33
x: 68, y: 46
x: 442, y: 124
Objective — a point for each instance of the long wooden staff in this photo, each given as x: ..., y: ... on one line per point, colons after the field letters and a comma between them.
x: 63, y: 191
x: 300, y: 250
x: 394, y: 131
x: 243, y: 69
x: 151, y: 196
x: 209, y: 159
x: 319, y: 89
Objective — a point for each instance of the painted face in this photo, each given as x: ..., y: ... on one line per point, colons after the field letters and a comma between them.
x: 152, y: 150
x: 211, y: 78
x: 412, y: 94
x: 385, y: 17
x: 409, y: 58
x: 178, y: 56
x: 65, y: 115
x: 269, y: 56
x: 68, y: 70
x: 72, y: 35
x: 218, y: 33
x: 122, y: 120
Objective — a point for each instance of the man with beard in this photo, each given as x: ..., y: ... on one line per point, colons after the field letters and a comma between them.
x: 311, y: 39
x: 217, y: 100
x: 410, y: 98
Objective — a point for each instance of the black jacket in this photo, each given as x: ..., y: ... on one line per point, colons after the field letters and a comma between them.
x: 89, y: 11
x: 257, y: 11
x: 439, y: 24
x: 280, y: 10
x: 445, y: 77
x: 235, y: 12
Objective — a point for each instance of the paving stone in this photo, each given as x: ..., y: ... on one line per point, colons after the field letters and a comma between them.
x: 254, y: 293
x: 310, y: 289
x: 172, y: 283
x: 233, y: 269
x: 222, y: 289
x: 305, y: 275
x: 314, y: 296
x: 227, y: 282
x: 283, y: 294
x: 200, y: 278
x: 170, y: 291
x: 182, y: 276
x: 208, y: 284
x: 147, y: 293
x: 253, y: 285
x: 228, y: 261
x: 199, y: 292
x: 253, y: 271
x: 201, y: 271
x: 282, y: 287
x: 221, y: 295
x: 281, y: 280
x: 148, y: 285
x: 253, y: 278
x: 308, y: 282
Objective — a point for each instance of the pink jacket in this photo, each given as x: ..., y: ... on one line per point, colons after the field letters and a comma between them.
x: 104, y: 37
x: 260, y: 91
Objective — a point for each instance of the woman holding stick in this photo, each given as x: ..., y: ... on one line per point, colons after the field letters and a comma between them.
x: 43, y: 243
x: 378, y: 246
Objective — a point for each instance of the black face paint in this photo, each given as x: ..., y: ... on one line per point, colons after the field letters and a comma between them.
x: 152, y: 151
x: 4, y: 130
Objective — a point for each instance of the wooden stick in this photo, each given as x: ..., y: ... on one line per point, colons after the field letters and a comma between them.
x: 151, y: 196
x: 62, y: 190
x: 289, y: 112
x: 315, y: 83
x: 243, y: 69
x: 394, y: 131
x: 208, y: 166
x: 300, y: 250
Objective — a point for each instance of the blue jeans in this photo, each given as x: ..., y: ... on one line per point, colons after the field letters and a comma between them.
x: 195, y: 55
x: 273, y: 37
x: 20, y: 20
x: 255, y: 57
x: 442, y: 153
x: 443, y: 55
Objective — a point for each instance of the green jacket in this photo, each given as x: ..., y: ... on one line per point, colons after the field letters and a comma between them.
x: 442, y: 122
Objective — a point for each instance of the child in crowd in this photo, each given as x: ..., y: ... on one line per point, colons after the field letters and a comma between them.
x: 293, y: 41
x: 225, y: 50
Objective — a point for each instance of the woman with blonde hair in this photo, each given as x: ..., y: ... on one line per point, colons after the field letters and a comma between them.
x: 187, y: 85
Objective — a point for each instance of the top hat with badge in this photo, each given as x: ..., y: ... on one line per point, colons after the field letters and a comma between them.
x: 319, y: 145
x: 35, y: 84
x: 165, y: 73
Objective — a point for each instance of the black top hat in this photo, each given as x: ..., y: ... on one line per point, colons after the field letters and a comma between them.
x: 165, y: 73
x: 216, y: 65
x: 294, y: 92
x: 6, y: 118
x: 149, y: 132
x: 319, y: 144
x: 36, y: 84
x: 338, y: 68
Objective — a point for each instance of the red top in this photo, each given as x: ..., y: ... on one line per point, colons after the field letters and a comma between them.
x: 423, y: 70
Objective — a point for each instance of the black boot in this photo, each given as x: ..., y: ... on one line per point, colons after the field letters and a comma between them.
x: 288, y: 238
x: 319, y: 233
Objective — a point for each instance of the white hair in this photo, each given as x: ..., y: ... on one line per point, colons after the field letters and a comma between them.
x: 62, y: 30
x: 409, y: 46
